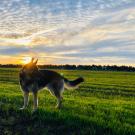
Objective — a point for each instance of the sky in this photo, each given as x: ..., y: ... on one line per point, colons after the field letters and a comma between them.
x: 68, y: 31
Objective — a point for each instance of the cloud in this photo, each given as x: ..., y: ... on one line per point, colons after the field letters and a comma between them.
x: 13, y: 50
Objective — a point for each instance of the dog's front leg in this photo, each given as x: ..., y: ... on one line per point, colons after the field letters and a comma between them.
x: 35, y: 100
x: 26, y: 100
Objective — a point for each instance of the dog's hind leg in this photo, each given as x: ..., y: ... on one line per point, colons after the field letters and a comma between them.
x: 59, y: 101
x: 58, y: 93
x: 56, y: 88
x: 35, y: 100
x: 26, y: 100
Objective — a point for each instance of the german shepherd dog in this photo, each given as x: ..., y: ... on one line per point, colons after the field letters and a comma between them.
x: 32, y: 79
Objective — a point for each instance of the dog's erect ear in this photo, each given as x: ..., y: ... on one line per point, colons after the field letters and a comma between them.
x: 32, y: 59
x: 35, y: 62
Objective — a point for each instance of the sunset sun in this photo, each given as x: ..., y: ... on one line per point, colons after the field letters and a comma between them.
x: 26, y: 60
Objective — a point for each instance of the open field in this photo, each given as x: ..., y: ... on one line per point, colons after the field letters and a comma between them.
x: 103, y: 105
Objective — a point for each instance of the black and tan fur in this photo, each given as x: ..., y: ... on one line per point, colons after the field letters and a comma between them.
x: 32, y: 79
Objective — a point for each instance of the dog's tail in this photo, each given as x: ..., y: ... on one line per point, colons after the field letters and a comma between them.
x: 72, y: 84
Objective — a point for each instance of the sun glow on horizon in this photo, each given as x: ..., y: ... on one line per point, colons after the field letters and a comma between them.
x: 26, y: 60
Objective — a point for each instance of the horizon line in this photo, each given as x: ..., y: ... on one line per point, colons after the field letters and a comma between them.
x: 73, y: 64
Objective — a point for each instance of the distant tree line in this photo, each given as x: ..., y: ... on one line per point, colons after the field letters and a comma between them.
x: 80, y: 67
x: 91, y: 67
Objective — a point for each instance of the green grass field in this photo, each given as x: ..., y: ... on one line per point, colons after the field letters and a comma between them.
x: 103, y: 105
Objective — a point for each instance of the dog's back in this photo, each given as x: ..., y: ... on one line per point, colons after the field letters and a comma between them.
x: 50, y: 75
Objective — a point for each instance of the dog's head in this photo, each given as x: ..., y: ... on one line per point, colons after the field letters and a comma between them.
x: 31, y: 67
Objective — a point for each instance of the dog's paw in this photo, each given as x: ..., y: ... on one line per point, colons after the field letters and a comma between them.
x: 22, y: 108
x: 34, y: 110
x: 58, y: 107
